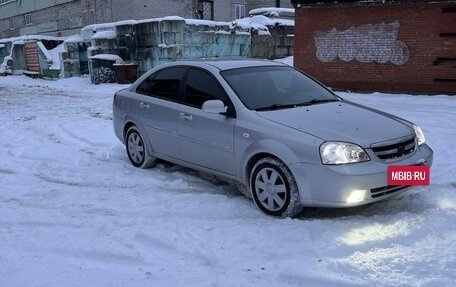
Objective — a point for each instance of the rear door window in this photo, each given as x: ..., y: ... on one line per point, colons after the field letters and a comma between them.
x: 163, y: 84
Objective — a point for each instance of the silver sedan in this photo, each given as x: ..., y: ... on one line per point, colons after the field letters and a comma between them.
x: 285, y: 139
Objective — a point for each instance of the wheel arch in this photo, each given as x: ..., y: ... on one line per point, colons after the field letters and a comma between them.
x: 262, y: 149
x: 290, y: 205
x: 127, y: 126
x: 131, y: 123
x: 149, y: 159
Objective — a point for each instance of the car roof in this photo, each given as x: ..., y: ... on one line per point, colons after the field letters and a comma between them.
x: 227, y: 64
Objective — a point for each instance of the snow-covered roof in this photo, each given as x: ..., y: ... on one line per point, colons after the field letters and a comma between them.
x: 109, y: 57
x: 197, y: 22
x: 98, y: 27
x: 167, y: 18
x: 74, y: 39
x: 272, y: 11
x: 104, y: 35
x: 263, y: 20
x: 246, y: 24
x: 25, y: 38
x: 106, y: 30
x: 126, y: 22
x: 88, y: 31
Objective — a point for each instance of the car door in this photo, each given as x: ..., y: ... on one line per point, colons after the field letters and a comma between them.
x: 205, y: 139
x: 156, y: 105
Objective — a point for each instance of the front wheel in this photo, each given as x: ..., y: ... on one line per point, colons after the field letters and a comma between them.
x: 137, y: 150
x: 274, y: 188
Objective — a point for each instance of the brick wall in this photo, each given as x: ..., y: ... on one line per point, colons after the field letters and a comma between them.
x: 386, y: 47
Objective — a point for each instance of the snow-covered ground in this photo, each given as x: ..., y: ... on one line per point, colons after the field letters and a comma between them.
x: 75, y: 212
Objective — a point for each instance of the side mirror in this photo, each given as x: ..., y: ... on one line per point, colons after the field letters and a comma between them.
x: 214, y: 107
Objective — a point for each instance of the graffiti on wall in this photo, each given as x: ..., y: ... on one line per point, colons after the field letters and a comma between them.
x: 365, y: 44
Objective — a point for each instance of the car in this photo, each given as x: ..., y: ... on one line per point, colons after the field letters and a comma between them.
x: 285, y: 139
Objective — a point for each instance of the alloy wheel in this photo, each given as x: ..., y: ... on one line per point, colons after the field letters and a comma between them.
x: 135, y: 147
x: 270, y: 189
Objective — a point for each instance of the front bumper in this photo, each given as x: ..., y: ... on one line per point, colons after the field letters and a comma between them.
x: 335, y: 185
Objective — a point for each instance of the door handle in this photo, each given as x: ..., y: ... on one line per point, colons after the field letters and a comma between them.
x: 186, y: 117
x: 143, y: 105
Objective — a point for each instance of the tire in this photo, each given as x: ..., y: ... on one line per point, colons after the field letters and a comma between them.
x: 274, y: 188
x: 137, y: 150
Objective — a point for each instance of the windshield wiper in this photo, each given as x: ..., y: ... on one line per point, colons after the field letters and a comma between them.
x: 287, y: 106
x: 317, y: 101
x: 276, y: 107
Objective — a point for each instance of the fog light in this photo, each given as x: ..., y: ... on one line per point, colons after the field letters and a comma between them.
x: 357, y: 195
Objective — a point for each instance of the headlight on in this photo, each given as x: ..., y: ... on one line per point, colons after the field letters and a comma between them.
x: 342, y: 153
x: 419, y: 135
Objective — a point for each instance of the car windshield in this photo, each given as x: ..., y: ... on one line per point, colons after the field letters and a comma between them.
x: 275, y: 87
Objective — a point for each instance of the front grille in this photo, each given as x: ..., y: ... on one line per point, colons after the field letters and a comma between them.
x: 395, y: 150
x: 381, y: 191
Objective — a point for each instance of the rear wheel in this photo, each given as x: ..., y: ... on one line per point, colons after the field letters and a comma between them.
x: 137, y: 151
x: 274, y: 188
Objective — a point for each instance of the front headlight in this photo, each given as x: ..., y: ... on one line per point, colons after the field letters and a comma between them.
x: 342, y: 153
x: 419, y: 135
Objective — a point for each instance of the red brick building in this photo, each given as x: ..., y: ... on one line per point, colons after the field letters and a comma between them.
x: 405, y: 46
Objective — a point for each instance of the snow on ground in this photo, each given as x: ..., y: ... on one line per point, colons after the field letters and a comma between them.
x: 75, y: 212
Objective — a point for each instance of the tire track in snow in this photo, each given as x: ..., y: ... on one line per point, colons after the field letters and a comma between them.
x: 7, y: 171
x: 78, y: 140
x: 166, y: 251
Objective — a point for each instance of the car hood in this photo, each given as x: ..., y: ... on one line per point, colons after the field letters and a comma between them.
x: 341, y: 121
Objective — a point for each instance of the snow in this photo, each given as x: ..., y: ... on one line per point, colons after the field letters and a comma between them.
x: 197, y: 22
x: 4, y: 67
x: 172, y: 18
x: 167, y: 18
x: 109, y: 57
x: 43, y: 50
x: 222, y: 32
x: 272, y: 11
x: 75, y: 212
x: 74, y: 39
x: 259, y: 23
x: 246, y: 24
x: 55, y: 56
x: 165, y: 46
x: 24, y: 38
x: 126, y: 22
x: 88, y: 31
x: 99, y: 27
x: 287, y: 60
x: 52, y: 55
x: 104, y: 35
x: 265, y: 21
